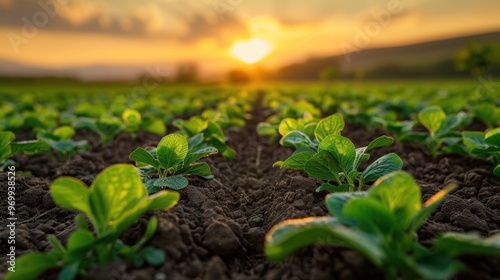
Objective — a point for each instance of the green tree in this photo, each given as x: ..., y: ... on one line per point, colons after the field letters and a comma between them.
x: 477, y: 58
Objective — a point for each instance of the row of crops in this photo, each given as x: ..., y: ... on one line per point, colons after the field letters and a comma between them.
x: 375, y: 209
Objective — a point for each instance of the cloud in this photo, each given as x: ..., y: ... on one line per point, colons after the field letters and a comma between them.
x: 186, y: 21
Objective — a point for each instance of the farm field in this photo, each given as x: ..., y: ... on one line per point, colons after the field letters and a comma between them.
x: 231, y: 163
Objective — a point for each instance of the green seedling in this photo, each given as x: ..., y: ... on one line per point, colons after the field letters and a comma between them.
x: 301, y: 135
x: 334, y: 159
x: 307, y: 124
x: 484, y: 145
x: 213, y: 136
x: 60, y: 140
x: 441, y: 130
x: 382, y: 225
x: 132, y: 120
x: 227, y: 115
x: 9, y: 148
x: 114, y: 202
x: 107, y: 127
x: 173, y: 159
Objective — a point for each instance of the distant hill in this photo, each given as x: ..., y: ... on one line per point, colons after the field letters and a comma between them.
x: 429, y: 59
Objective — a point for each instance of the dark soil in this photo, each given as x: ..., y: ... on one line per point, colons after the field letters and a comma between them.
x: 217, y: 230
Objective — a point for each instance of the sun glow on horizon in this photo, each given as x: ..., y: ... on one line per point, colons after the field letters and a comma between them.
x: 250, y: 51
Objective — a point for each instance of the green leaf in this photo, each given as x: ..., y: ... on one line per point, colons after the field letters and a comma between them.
x: 323, y: 166
x: 399, y: 193
x: 71, y: 193
x: 381, y: 141
x: 197, y: 169
x: 115, y: 191
x: 68, y: 272
x: 326, y: 187
x: 419, y: 137
x: 331, y: 125
x: 131, y: 117
x: 492, y: 137
x: 382, y: 166
x: 297, y: 160
x: 451, y: 122
x: 176, y: 182
x: 370, y: 215
x: 199, y: 153
x: 31, y: 146
x: 223, y: 149
x: 214, y: 131
x: 290, y: 235
x: 163, y: 200
x: 81, y: 222
x: 279, y: 163
x: 496, y: 171
x: 192, y: 126
x: 288, y: 125
x: 31, y: 266
x: 458, y: 244
x: 341, y: 148
x: 360, y: 155
x: 335, y: 202
x: 155, y: 126
x: 142, y: 155
x: 434, y: 266
x: 195, y: 141
x: 474, y: 140
x: 154, y: 257
x: 64, y: 132
x: 5, y: 150
x: 171, y: 150
x: 58, y: 247
x: 432, y: 118
x: 79, y: 243
x: 295, y: 139
x: 309, y: 129
x: 151, y: 228
x: 266, y: 129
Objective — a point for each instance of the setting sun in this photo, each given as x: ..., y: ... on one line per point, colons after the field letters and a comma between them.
x: 250, y: 51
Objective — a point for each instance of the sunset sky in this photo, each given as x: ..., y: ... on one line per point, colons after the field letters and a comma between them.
x: 70, y: 33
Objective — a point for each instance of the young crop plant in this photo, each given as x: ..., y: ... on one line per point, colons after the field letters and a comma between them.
x: 9, y: 148
x: 133, y: 122
x: 382, y: 224
x: 334, y: 159
x: 106, y: 127
x: 485, y: 145
x: 114, y: 202
x: 227, y: 115
x: 60, y: 140
x: 173, y: 159
x: 442, y: 136
x: 306, y: 125
x: 302, y: 112
x: 213, y: 136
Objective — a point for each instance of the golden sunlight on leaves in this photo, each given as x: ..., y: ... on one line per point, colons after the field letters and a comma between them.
x: 250, y: 51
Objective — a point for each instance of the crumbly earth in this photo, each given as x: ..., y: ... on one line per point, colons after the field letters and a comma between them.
x: 217, y: 229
